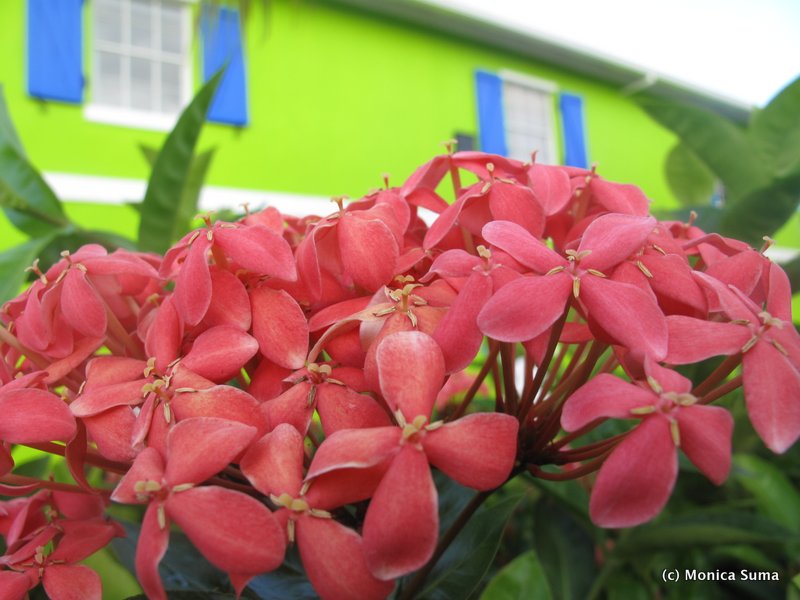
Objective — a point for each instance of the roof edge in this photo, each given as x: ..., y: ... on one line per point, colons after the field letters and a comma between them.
x: 540, y: 46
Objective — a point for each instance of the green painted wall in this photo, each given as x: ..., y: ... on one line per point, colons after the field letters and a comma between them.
x: 337, y: 97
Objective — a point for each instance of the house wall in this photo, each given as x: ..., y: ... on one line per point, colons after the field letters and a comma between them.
x: 336, y: 96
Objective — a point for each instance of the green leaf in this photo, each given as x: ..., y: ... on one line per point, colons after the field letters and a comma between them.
x: 622, y: 586
x: 13, y: 263
x: 162, y: 207
x: 520, y: 579
x: 774, y: 492
x: 719, y: 143
x: 8, y: 133
x: 463, y: 565
x: 703, y: 530
x: 27, y: 200
x: 690, y: 180
x: 565, y: 549
x: 775, y: 131
x: 762, y: 211
x: 117, y: 581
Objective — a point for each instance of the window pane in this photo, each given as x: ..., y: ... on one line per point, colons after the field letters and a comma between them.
x: 108, y: 21
x: 107, y: 82
x: 170, y: 88
x: 171, y: 29
x: 141, y: 24
x: 141, y: 84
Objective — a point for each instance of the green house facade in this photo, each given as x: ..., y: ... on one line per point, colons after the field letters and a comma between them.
x: 320, y: 98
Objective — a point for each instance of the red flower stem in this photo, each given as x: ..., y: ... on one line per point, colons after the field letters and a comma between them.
x: 541, y: 371
x: 9, y: 338
x: 581, y: 471
x: 12, y: 479
x: 563, y: 441
x: 575, y: 361
x: 589, y: 450
x: 91, y: 458
x: 507, y: 359
x: 553, y: 370
x: 721, y: 390
x: 578, y: 377
x: 720, y: 373
x: 494, y: 348
x: 499, y: 403
x: 416, y: 583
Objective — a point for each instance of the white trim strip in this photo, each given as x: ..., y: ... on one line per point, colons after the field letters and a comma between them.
x: 116, y: 190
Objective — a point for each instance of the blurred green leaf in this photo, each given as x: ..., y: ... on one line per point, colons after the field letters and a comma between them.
x: 703, y: 529
x: 775, y: 494
x: 162, y: 208
x: 690, y: 180
x: 721, y: 145
x: 622, y: 586
x: 117, y: 581
x: 775, y: 131
x: 520, y: 579
x: 13, y: 263
x: 463, y: 565
x: 761, y: 212
x: 565, y: 549
x: 27, y: 200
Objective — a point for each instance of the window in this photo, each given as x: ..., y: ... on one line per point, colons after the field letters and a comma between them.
x: 528, y: 124
x: 140, y: 70
x: 516, y: 115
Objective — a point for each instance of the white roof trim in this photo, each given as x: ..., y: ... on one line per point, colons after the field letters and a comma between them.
x: 116, y: 190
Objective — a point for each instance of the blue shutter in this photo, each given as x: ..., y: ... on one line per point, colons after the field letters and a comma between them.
x: 490, y: 113
x: 222, y: 45
x: 54, y: 50
x: 574, y: 131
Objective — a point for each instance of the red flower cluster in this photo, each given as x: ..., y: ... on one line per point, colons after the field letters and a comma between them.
x: 266, y: 376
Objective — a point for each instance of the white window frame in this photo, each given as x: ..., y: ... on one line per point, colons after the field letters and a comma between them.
x: 143, y: 119
x: 545, y: 87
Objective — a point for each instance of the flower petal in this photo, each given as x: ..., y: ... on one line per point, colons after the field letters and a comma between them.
x: 635, y: 481
x: 71, y: 582
x: 525, y: 308
x: 150, y: 549
x: 411, y: 372
x: 235, y: 532
x: 604, y: 396
x: 280, y: 327
x: 219, y: 353
x: 612, y: 238
x: 334, y: 562
x: 522, y: 246
x: 628, y: 315
x: 354, y: 448
x: 274, y: 464
x: 31, y: 415
x: 705, y: 433
x: 478, y: 450
x: 402, y: 522
x: 692, y: 340
x: 771, y: 392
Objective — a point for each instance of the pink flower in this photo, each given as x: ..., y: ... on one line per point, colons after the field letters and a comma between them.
x: 234, y: 532
x: 401, y: 525
x: 636, y: 480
